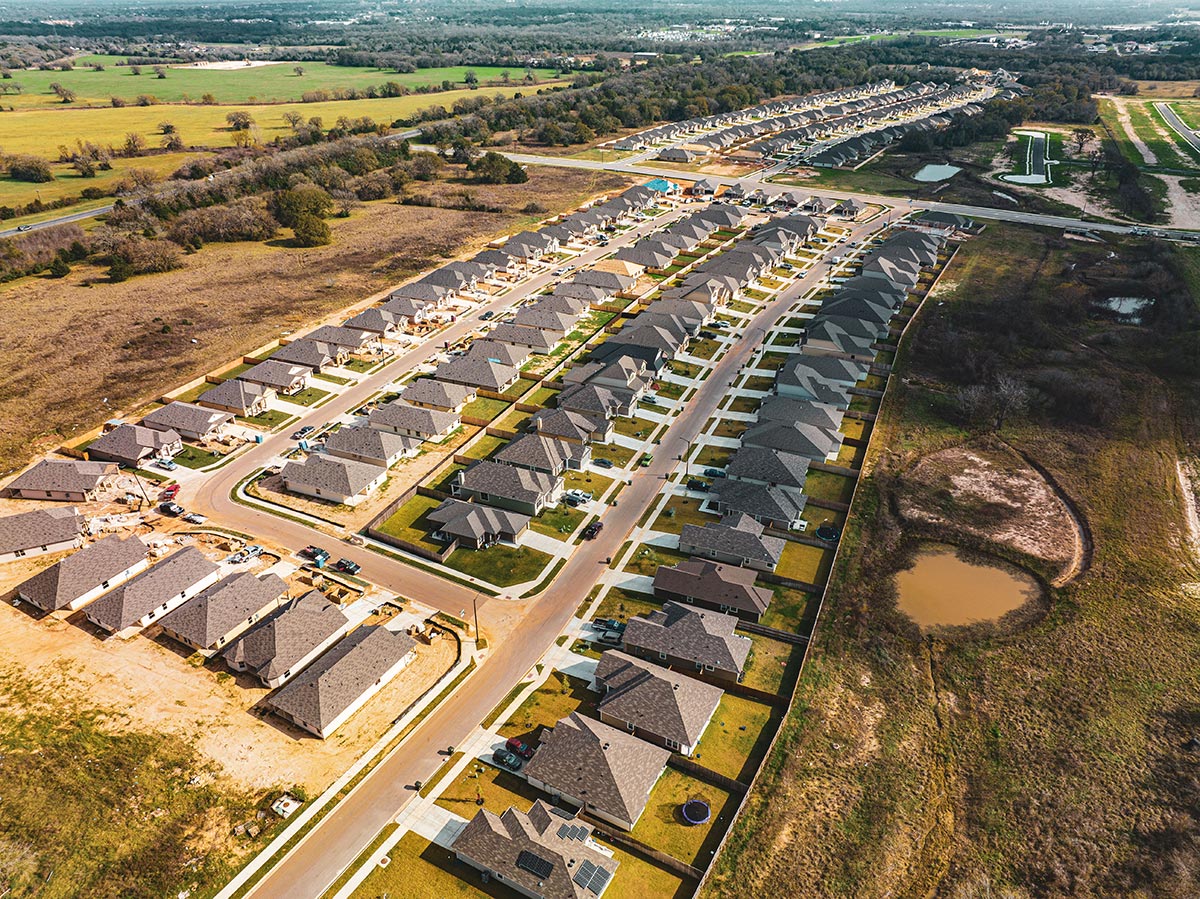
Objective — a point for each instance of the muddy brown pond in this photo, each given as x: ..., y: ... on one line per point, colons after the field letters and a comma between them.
x: 943, y: 588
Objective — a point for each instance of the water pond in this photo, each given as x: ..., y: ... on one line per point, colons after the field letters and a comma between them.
x: 942, y: 588
x: 936, y: 173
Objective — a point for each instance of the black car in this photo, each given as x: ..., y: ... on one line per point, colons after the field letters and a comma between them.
x: 593, y: 530
x: 714, y: 473
x: 348, y: 567
x: 303, y: 432
x: 487, y: 315
x: 697, y: 484
x: 602, y: 463
x: 314, y: 552
x: 171, y: 509
x: 506, y: 759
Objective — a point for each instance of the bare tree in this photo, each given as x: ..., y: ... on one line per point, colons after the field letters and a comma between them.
x: 1011, y: 397
x: 63, y: 93
x: 135, y: 144
x: 1081, y: 136
x: 292, y: 119
x: 974, y: 403
x: 135, y: 70
x: 160, y: 71
x: 299, y: 70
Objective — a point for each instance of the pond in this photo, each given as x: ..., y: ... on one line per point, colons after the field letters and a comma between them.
x: 942, y: 588
x: 936, y: 173
x: 1129, y: 309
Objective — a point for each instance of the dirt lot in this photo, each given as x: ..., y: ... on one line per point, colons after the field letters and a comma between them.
x: 80, y: 350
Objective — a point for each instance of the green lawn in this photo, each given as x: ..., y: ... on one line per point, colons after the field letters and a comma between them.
x: 662, y: 825
x: 829, y: 486
x: 194, y: 457
x: 485, y: 407
x: 671, y: 391
x: 307, y: 397
x: 359, y: 365
x: 501, y: 790
x: 420, y: 869
x: 646, y: 559
x: 522, y: 386
x: 704, y: 349
x: 729, y: 428
x: 712, y: 456
x: 410, y: 522
x: 805, y: 563
x: 688, y: 370
x: 586, y: 480
x: 625, y: 604
x: 771, y: 664
x: 271, y: 419
x: 559, y: 522
x: 618, y: 455
x: 680, y: 511
x: 500, y: 565
x: 447, y: 477
x: 543, y: 396
x: 190, y: 396
x: 737, y: 737
x: 790, y: 610
x: 634, y: 427
x: 637, y: 878
x: 558, y: 697
x: 332, y: 379
x: 758, y: 382
x: 513, y: 420
x: 485, y: 446
x: 744, y: 404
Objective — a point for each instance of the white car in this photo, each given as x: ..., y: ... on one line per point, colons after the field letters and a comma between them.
x: 582, y: 495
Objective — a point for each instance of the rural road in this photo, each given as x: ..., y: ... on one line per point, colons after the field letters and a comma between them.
x: 338, y: 839
x: 1178, y: 125
x: 58, y: 220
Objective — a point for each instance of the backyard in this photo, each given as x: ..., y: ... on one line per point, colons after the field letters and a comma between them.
x: 410, y: 522
x: 662, y: 825
x: 737, y: 737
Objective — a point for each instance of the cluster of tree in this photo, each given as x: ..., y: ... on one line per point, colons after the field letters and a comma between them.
x: 35, y: 252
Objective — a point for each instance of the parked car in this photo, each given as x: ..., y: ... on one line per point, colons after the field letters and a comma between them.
x: 697, y: 484
x: 169, y: 493
x: 714, y: 473
x: 253, y: 551
x: 164, y: 464
x: 708, y: 335
x: 303, y: 432
x: 592, y: 531
x: 487, y: 315
x: 315, y: 553
x: 602, y: 463
x: 582, y: 495
x: 194, y: 518
x: 347, y: 567
x: 612, y: 638
x: 611, y: 624
x: 515, y: 745
x: 171, y: 509
x: 572, y: 501
x: 562, y: 270
x: 24, y: 228
x: 718, y: 324
x: 645, y: 461
x: 507, y: 759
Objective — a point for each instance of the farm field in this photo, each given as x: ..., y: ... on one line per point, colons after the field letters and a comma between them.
x: 273, y: 83
x: 76, y: 341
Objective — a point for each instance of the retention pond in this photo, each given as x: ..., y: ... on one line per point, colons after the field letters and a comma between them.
x: 943, y: 588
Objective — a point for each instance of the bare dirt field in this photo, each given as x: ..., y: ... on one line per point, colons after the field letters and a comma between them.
x: 80, y: 350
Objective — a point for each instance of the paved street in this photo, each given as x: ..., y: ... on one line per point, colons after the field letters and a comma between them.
x: 348, y: 828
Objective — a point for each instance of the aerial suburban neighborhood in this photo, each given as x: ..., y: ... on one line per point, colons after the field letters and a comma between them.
x: 641, y: 457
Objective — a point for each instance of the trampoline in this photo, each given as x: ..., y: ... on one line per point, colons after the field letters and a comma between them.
x: 828, y: 533
x: 696, y: 811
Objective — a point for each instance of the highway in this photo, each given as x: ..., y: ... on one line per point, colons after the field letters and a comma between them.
x: 349, y: 827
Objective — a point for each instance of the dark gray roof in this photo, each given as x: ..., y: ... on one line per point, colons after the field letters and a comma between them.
x: 786, y: 408
x: 696, y: 635
x: 608, y: 769
x: 186, y: 417
x: 432, y: 392
x: 795, y: 437
x: 309, y: 353
x: 332, y: 474
x: 661, y: 702
x: 140, y: 596
x: 375, y: 319
x: 235, y: 394
x: 326, y: 688
x: 40, y: 527
x: 762, y: 463
x: 761, y: 501
x: 370, y: 443
x: 736, y: 536
x: 81, y: 572
x: 716, y: 583
x: 476, y: 371
x: 505, y: 481
x: 428, y: 422
x: 214, y: 612
x: 540, y: 452
x: 339, y: 335
x: 476, y: 521
x: 64, y: 476
x: 500, y: 353
x: 573, y: 425
x: 278, y: 642
x: 274, y: 373
x: 130, y: 443
x: 573, y: 867
x: 523, y: 336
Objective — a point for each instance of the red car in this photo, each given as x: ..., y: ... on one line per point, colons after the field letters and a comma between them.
x: 516, y: 746
x: 171, y: 492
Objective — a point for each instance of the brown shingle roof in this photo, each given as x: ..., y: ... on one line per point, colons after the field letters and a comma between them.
x: 659, y: 701
x: 79, y: 573
x: 278, y: 642
x: 64, y: 476
x: 714, y: 582
x: 211, y: 614
x: 697, y: 635
x: 136, y: 598
x: 41, y: 527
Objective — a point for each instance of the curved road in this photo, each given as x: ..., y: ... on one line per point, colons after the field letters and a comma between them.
x: 348, y: 828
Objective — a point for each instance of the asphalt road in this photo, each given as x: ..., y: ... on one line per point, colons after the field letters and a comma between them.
x: 1178, y: 125
x: 58, y: 220
x: 1037, y: 155
x: 337, y: 841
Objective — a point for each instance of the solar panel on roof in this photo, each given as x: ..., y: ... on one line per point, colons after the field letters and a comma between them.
x: 599, y: 880
x: 584, y: 875
x: 534, y: 864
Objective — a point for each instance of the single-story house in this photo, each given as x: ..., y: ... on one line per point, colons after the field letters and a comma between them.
x: 333, y: 479
x: 572, y: 426
x: 132, y: 445
x: 778, y: 507
x: 68, y: 480
x: 376, y: 320
x: 545, y: 853
x: 82, y: 576
x: 508, y: 354
x: 690, y: 640
x: 430, y: 393
x: 764, y: 465
x: 190, y: 421
x: 475, y: 525
x: 40, y: 531
x: 400, y: 417
x: 337, y: 685
x: 711, y: 585
x: 474, y: 371
x: 220, y: 613
x: 538, y: 452
x: 606, y: 772
x: 518, y: 489
x: 310, y: 353
x: 283, y: 377
x: 355, y: 340
x: 361, y: 443
x: 736, y: 539
x: 281, y: 645
x: 238, y: 397
x: 661, y: 706
x: 154, y: 593
x: 535, y: 339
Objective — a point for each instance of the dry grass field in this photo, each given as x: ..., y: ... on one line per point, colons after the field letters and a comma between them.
x: 1049, y: 760
x: 79, y: 350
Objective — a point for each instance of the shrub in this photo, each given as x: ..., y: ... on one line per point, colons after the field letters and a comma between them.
x: 311, y: 231
x: 33, y: 169
x: 59, y: 268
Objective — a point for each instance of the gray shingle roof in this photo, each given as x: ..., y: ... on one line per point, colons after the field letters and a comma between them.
x: 762, y: 463
x: 234, y: 394
x: 762, y: 501
x: 339, y: 335
x: 186, y: 417
x: 131, y: 443
x: 662, y: 702
x: 735, y: 536
x: 794, y: 437
x: 505, y: 481
x: 278, y: 642
x: 64, y: 476
x: 41, y: 527
x: 432, y: 392
x: 475, y: 521
x: 309, y: 353
x: 608, y: 769
x: 402, y: 415
x: 475, y: 371
x: 716, y: 583
x: 330, y: 685
x: 214, y: 612
x: 696, y: 635
x: 370, y: 443
x: 785, y: 408
x: 332, y: 474
x: 541, y: 452
x: 276, y: 374
x: 573, y: 425
x: 136, y: 598
x: 523, y: 336
x: 81, y: 572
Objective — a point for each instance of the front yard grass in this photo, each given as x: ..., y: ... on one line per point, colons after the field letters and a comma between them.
x: 759, y: 382
x: 744, y: 404
x: 670, y: 390
x: 586, y: 480
x: 359, y: 365
x: 646, y: 559
x: 558, y: 697
x: 559, y: 522
x: 485, y: 407
x: 420, y: 869
x: 617, y: 455
x: 662, y: 825
x: 681, y: 510
x: 802, y: 562
x: 410, y: 522
x: 634, y: 427
x: 270, y: 419
x: 500, y: 565
x: 306, y: 397
x: 737, y: 737
x: 332, y: 379
x: 713, y: 456
x: 772, y: 664
x: 684, y: 369
x: 705, y: 348
x: 500, y: 790
x: 194, y: 457
x: 729, y: 428
x: 624, y: 604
